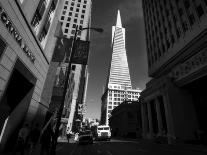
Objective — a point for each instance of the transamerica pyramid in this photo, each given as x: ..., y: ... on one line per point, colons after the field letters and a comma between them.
x: 119, y: 70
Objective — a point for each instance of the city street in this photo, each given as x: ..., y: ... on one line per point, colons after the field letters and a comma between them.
x: 122, y: 147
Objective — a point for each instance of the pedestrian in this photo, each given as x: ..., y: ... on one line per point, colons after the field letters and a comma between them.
x: 68, y: 135
x: 33, y: 138
x: 46, y: 141
x: 21, y: 143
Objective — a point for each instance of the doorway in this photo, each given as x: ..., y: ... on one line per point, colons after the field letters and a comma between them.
x: 196, y: 89
x: 15, y: 102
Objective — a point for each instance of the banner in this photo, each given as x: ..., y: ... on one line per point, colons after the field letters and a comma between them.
x: 62, y: 49
x: 81, y: 52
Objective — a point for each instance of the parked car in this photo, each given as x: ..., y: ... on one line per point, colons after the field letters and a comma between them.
x: 85, y: 137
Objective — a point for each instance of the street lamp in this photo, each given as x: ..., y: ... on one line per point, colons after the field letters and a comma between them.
x: 67, y: 72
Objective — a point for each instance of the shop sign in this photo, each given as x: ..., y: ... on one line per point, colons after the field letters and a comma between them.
x: 13, y: 31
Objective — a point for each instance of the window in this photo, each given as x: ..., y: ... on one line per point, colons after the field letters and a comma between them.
x: 69, y: 18
x: 178, y: 33
x: 180, y: 11
x: 84, y: 6
x: 73, y: 67
x: 67, y: 25
x: 85, y: 2
x: 74, y: 25
x: 62, y: 17
x: 38, y: 13
x: 2, y: 47
x: 76, y: 15
x: 70, y: 13
x: 73, y: 31
x: 66, y: 30
x: 81, y: 22
x: 191, y: 19
x: 65, y: 7
x: 83, y: 11
x: 75, y: 20
x: 186, y: 4
x: 72, y: 4
x: 78, y: 5
x: 184, y: 26
x: 77, y: 10
x: 64, y: 12
x: 71, y: 8
x: 199, y: 11
x: 82, y: 16
x: 66, y: 2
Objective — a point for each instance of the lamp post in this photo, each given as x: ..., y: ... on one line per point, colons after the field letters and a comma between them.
x: 67, y: 73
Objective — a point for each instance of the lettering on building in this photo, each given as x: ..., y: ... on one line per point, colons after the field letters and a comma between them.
x: 15, y: 34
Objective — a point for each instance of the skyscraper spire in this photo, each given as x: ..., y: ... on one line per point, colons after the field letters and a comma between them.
x: 118, y: 21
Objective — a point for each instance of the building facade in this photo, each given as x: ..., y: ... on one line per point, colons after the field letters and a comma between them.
x: 173, y: 103
x: 125, y: 120
x: 25, y: 54
x: 118, y: 86
x: 76, y: 12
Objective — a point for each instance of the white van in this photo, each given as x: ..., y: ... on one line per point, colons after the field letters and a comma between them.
x: 103, y: 132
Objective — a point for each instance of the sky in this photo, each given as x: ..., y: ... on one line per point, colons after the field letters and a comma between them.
x: 104, y: 15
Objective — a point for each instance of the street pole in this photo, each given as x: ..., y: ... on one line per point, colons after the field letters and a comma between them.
x: 67, y: 72
x: 60, y: 111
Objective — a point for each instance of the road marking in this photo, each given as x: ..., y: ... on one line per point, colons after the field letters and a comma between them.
x: 108, y: 152
x: 141, y: 150
x: 59, y: 148
x: 73, y: 151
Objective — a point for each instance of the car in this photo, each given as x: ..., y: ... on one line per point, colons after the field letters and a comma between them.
x: 85, y: 137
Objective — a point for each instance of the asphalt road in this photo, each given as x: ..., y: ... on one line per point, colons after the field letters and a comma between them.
x: 121, y: 147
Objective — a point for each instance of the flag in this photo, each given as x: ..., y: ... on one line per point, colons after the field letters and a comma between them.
x: 81, y: 52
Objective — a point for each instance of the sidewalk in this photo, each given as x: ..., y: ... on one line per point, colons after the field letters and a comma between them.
x: 37, y: 149
x: 181, y: 146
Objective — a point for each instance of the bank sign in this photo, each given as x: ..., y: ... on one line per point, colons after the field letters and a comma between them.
x: 15, y: 34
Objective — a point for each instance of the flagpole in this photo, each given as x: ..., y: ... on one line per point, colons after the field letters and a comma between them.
x: 68, y: 69
x: 59, y: 113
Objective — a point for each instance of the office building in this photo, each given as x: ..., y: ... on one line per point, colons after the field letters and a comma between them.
x: 118, y: 86
x: 25, y: 55
x: 173, y: 101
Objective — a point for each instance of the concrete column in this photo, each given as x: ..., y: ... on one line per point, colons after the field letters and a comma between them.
x: 144, y: 120
x: 159, y: 117
x: 150, y: 120
x: 169, y: 121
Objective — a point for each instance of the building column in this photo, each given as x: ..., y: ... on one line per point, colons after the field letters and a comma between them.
x: 169, y: 121
x: 144, y: 120
x: 159, y: 117
x: 149, y: 112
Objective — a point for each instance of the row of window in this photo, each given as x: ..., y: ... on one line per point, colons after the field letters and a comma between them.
x: 159, y: 27
x: 85, y: 1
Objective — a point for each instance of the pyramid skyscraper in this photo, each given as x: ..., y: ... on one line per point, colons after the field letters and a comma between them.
x: 118, y: 87
x: 119, y: 70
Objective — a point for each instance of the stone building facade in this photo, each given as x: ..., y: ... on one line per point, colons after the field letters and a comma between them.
x: 174, y: 103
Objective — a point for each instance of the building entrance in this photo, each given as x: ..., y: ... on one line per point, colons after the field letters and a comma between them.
x: 15, y: 102
x: 196, y: 89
